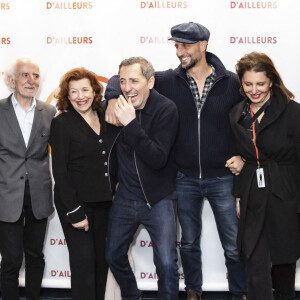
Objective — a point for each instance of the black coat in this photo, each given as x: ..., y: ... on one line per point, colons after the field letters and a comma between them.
x: 80, y: 165
x: 277, y: 205
x: 152, y: 138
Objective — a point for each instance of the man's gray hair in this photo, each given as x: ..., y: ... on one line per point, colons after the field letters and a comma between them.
x: 10, y: 71
x: 146, y: 67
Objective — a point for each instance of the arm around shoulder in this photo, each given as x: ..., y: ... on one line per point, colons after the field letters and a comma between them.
x: 113, y: 89
x: 112, y: 92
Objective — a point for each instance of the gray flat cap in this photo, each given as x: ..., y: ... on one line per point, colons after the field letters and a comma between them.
x: 189, y: 33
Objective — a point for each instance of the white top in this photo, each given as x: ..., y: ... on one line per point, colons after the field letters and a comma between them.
x: 25, y: 118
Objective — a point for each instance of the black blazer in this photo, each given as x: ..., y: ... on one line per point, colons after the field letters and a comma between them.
x: 276, y: 206
x: 80, y: 163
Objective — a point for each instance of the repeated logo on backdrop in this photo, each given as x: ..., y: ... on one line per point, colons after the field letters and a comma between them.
x: 4, y: 40
x: 253, y: 40
x: 57, y: 242
x: 259, y: 40
x: 4, y: 6
x: 253, y: 4
x: 163, y: 4
x: 155, y: 40
x: 150, y: 275
x: 61, y: 273
x: 69, y: 40
x: 75, y: 5
x: 148, y: 244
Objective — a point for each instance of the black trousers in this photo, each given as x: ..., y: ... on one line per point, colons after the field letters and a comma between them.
x: 26, y: 235
x: 87, y: 252
x: 262, y: 276
x: 283, y: 280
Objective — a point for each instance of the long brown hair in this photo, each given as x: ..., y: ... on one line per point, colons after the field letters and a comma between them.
x: 260, y: 62
x: 63, y: 102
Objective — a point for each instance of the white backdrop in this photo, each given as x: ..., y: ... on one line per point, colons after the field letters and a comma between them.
x: 98, y: 34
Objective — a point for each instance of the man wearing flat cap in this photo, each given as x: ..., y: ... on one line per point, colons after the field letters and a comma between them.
x: 204, y: 92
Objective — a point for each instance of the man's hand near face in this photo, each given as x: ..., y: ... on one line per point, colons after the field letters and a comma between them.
x: 110, y: 116
x: 124, y: 110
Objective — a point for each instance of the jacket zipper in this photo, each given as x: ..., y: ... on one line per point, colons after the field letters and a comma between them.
x: 138, y: 174
x: 199, y: 113
x: 200, y: 169
x: 139, y: 118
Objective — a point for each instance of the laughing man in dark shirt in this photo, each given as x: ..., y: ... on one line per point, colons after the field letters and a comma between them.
x: 140, y: 162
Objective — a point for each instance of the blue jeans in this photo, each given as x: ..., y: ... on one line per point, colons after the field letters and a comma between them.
x: 191, y: 192
x: 160, y: 222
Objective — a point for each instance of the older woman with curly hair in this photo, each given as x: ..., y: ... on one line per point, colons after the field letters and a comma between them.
x: 82, y: 192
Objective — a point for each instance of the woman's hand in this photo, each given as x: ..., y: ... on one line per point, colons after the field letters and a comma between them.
x: 238, y: 207
x: 235, y: 164
x: 82, y: 225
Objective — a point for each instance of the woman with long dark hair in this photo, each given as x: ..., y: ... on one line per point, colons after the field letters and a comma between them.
x: 267, y: 131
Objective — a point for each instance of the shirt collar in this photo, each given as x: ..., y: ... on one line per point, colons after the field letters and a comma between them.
x: 211, y: 75
x: 15, y: 103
